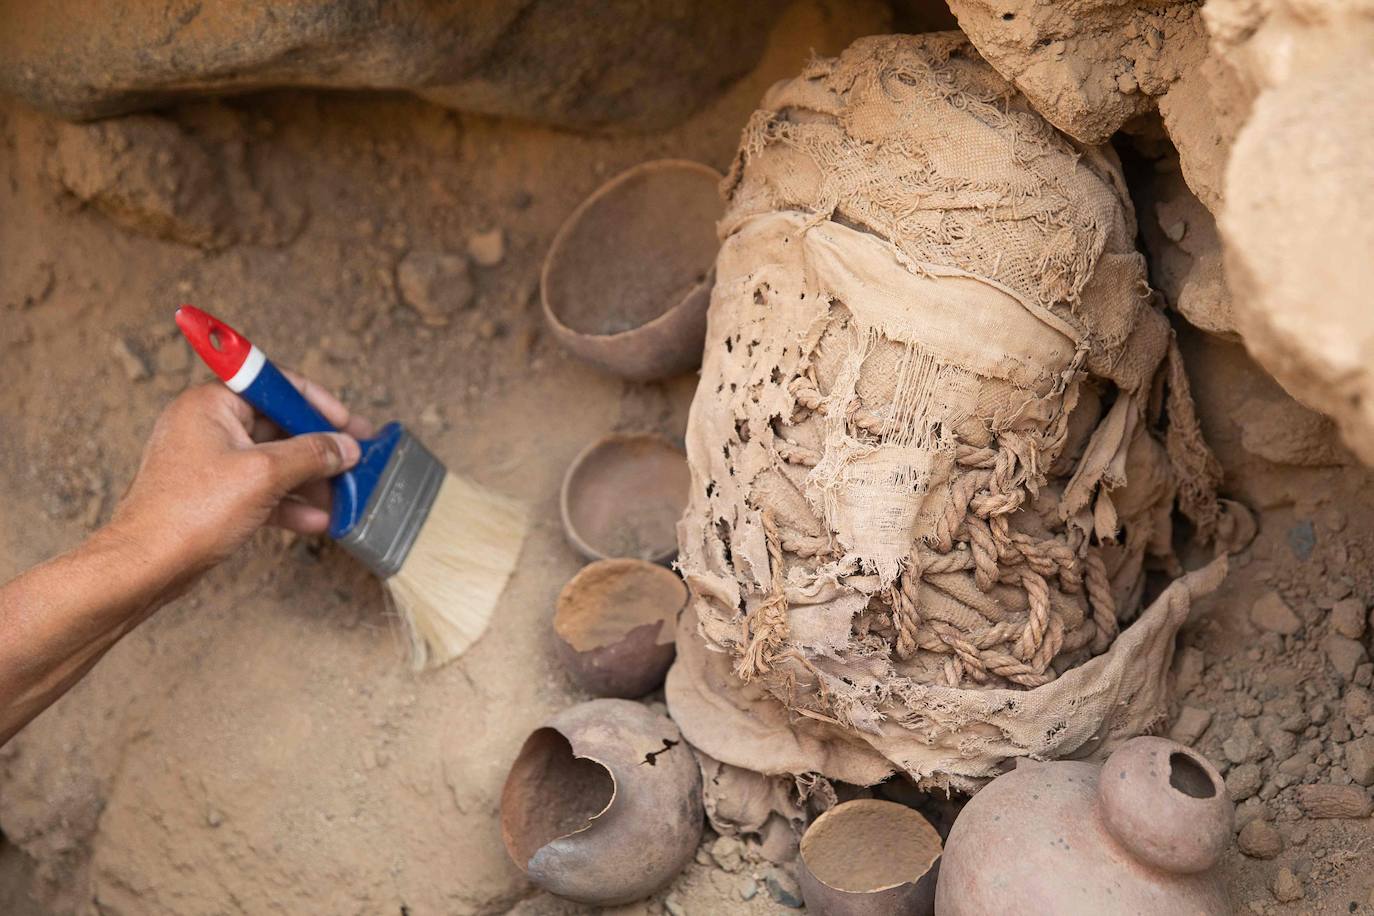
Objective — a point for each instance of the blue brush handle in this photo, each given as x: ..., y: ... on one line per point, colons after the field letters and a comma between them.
x: 273, y: 395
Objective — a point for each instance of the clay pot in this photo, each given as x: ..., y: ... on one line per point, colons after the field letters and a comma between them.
x: 628, y: 278
x: 615, y: 622
x: 603, y: 804
x: 869, y: 857
x: 1139, y: 835
x: 622, y: 497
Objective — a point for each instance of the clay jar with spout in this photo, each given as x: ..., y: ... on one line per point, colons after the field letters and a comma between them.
x: 1141, y: 834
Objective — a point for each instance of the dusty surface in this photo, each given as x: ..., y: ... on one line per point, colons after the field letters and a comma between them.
x: 259, y: 747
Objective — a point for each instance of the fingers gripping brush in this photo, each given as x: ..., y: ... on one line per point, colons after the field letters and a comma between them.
x: 443, y: 546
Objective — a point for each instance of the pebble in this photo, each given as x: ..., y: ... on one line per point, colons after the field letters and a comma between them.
x: 130, y: 359
x: 1345, y: 655
x: 487, y: 249
x: 1327, y: 800
x: 1260, y: 840
x: 783, y: 888
x: 213, y: 818
x: 1126, y: 83
x: 435, y: 284
x: 673, y: 905
x: 1359, y: 760
x: 748, y: 888
x: 1348, y: 617
x: 1242, y: 746
x: 1192, y: 722
x: 1272, y: 614
x: 1287, y: 887
x: 1188, y: 669
x: 1302, y: 538
x: 727, y: 852
x: 1243, y: 781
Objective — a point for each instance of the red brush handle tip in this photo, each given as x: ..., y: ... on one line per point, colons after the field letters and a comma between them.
x: 221, y: 347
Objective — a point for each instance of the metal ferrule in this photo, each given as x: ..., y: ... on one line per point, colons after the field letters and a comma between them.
x: 397, y: 508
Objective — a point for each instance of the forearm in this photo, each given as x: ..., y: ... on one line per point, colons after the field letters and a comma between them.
x: 58, y: 619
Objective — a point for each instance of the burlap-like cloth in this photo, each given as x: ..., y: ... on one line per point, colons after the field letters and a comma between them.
x: 939, y: 435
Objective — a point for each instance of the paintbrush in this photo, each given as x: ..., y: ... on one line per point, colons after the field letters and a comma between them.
x: 443, y: 546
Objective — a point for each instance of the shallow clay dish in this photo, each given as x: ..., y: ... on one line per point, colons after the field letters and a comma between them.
x: 603, y: 804
x: 869, y: 857
x: 628, y: 278
x: 622, y: 497
x: 615, y: 621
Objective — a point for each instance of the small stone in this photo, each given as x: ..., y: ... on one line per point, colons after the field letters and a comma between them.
x: 783, y: 888
x: 1333, y: 519
x: 1359, y: 760
x: 1287, y: 887
x: 674, y: 906
x: 213, y: 818
x: 1192, y: 722
x: 1327, y: 800
x: 1126, y: 84
x: 1260, y: 840
x: 489, y: 329
x: 1272, y: 614
x: 1243, y: 781
x: 1338, y: 776
x: 1242, y: 746
x: 1302, y: 538
x: 1345, y: 655
x: 748, y: 888
x: 728, y: 853
x: 431, y: 418
x: 487, y: 249
x: 1189, y: 668
x: 130, y: 359
x: 1348, y: 617
x: 435, y: 284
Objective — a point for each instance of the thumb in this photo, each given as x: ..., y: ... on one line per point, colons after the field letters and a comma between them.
x: 301, y: 459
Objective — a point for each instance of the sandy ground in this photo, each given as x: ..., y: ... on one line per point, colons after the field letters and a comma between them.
x: 258, y: 747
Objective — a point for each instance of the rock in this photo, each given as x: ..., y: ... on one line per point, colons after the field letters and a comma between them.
x: 1283, y: 431
x: 783, y: 888
x: 1243, y: 781
x: 748, y: 888
x: 1070, y: 61
x: 1359, y: 760
x: 130, y: 358
x: 728, y: 852
x: 1242, y: 746
x: 1357, y: 704
x: 435, y: 284
x: 673, y: 904
x: 1259, y: 840
x: 1348, y: 618
x: 1271, y: 614
x: 1287, y: 887
x: 1295, y: 227
x: 1189, y: 666
x: 487, y: 249
x: 152, y: 176
x: 1344, y: 654
x: 1186, y: 255
x: 620, y: 63
x: 1327, y: 800
x: 1190, y: 725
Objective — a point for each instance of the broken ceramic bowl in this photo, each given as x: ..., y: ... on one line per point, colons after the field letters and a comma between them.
x: 627, y: 280
x: 869, y: 857
x: 603, y: 804
x: 623, y: 496
x: 615, y: 622
x: 1144, y: 831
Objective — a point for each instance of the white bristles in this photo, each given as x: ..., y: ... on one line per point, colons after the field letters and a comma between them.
x: 447, y: 589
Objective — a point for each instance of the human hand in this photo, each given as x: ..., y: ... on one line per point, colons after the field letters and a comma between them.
x: 214, y: 471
